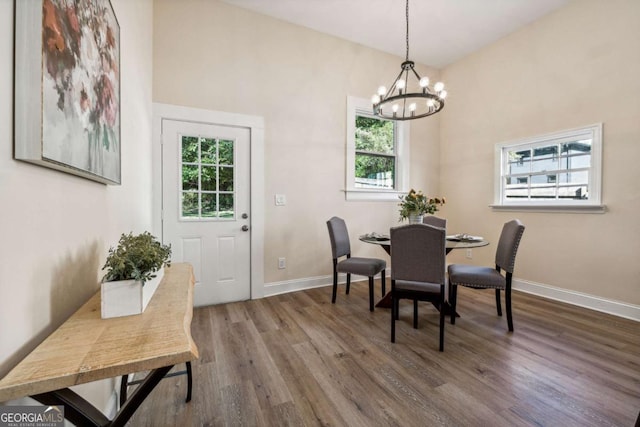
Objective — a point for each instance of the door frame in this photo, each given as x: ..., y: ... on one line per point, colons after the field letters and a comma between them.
x: 255, y: 124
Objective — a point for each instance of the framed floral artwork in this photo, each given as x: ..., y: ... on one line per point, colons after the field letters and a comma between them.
x: 67, y: 87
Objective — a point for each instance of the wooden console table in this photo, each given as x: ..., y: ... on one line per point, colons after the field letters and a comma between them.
x: 87, y: 348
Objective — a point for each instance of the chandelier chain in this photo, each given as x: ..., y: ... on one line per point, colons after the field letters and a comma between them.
x: 407, y: 38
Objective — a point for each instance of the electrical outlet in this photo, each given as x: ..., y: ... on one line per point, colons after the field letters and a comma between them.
x: 469, y: 253
x: 282, y: 263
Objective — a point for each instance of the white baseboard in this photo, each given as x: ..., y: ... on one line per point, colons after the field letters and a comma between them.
x: 617, y: 308
x: 277, y: 288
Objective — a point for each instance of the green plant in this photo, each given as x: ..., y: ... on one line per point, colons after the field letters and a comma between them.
x: 417, y: 203
x: 136, y: 257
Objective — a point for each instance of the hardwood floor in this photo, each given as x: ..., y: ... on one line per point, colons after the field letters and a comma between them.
x: 298, y: 360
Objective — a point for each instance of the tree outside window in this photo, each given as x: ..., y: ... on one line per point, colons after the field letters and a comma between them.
x: 375, y: 158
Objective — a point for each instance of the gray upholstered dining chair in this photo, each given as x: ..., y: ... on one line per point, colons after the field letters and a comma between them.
x: 436, y: 222
x: 490, y: 278
x: 341, y: 247
x: 418, y: 273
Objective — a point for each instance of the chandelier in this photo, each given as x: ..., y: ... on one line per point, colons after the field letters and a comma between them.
x: 410, y: 96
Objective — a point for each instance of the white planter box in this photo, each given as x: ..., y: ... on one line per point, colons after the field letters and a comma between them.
x: 127, y: 297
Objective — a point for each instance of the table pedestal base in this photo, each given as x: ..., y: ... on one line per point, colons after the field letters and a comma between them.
x: 385, y: 302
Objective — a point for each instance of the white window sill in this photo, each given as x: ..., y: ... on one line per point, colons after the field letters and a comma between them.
x: 599, y: 209
x: 364, y: 194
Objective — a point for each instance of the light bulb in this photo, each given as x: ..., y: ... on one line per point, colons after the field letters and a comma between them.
x: 412, y: 106
x: 438, y: 86
x: 443, y: 94
x: 430, y: 103
x: 382, y: 90
x: 394, y: 108
x: 424, y: 82
x: 375, y: 99
x: 400, y: 84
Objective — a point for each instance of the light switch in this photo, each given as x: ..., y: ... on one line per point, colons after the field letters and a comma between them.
x: 281, y: 200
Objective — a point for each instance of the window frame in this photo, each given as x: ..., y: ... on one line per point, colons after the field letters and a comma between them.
x: 592, y: 204
x: 362, y: 107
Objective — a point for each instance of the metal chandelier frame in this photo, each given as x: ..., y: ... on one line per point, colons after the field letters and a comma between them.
x: 409, y: 97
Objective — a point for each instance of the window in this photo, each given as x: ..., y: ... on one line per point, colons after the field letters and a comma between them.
x: 207, y: 170
x: 377, y: 154
x: 559, y: 170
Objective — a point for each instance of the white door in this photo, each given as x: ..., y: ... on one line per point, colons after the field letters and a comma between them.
x: 206, y: 206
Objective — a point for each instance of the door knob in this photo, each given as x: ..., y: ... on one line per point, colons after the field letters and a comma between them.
x: 245, y: 216
x: 245, y: 228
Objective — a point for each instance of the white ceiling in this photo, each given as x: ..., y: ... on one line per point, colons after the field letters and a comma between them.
x: 440, y: 31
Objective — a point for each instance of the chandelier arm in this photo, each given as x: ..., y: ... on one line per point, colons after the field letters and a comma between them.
x: 424, y: 89
x: 416, y: 73
x: 390, y: 91
x: 404, y: 100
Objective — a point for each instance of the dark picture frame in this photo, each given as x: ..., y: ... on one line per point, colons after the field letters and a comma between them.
x: 67, y: 87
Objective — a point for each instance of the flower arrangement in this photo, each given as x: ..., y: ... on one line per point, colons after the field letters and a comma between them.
x: 136, y: 257
x: 416, y: 203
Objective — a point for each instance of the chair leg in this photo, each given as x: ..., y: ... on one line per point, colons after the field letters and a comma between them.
x: 397, y: 304
x: 335, y: 283
x: 393, y: 314
x: 415, y: 314
x: 384, y: 285
x: 498, y: 305
x: 442, y: 318
x: 371, y: 293
x: 348, y: 282
x: 453, y: 296
x: 507, y: 298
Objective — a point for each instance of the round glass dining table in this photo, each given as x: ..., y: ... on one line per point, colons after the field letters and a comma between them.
x: 451, y: 243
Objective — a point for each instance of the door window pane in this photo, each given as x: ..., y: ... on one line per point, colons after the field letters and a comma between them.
x: 209, y: 205
x: 225, y: 152
x: 226, y: 206
x: 189, y: 204
x: 208, y: 152
x: 209, y: 178
x: 226, y: 179
x: 189, y: 149
x: 189, y: 177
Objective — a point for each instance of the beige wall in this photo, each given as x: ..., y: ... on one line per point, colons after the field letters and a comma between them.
x: 578, y: 66
x: 563, y: 71
x: 210, y: 55
x: 56, y: 228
